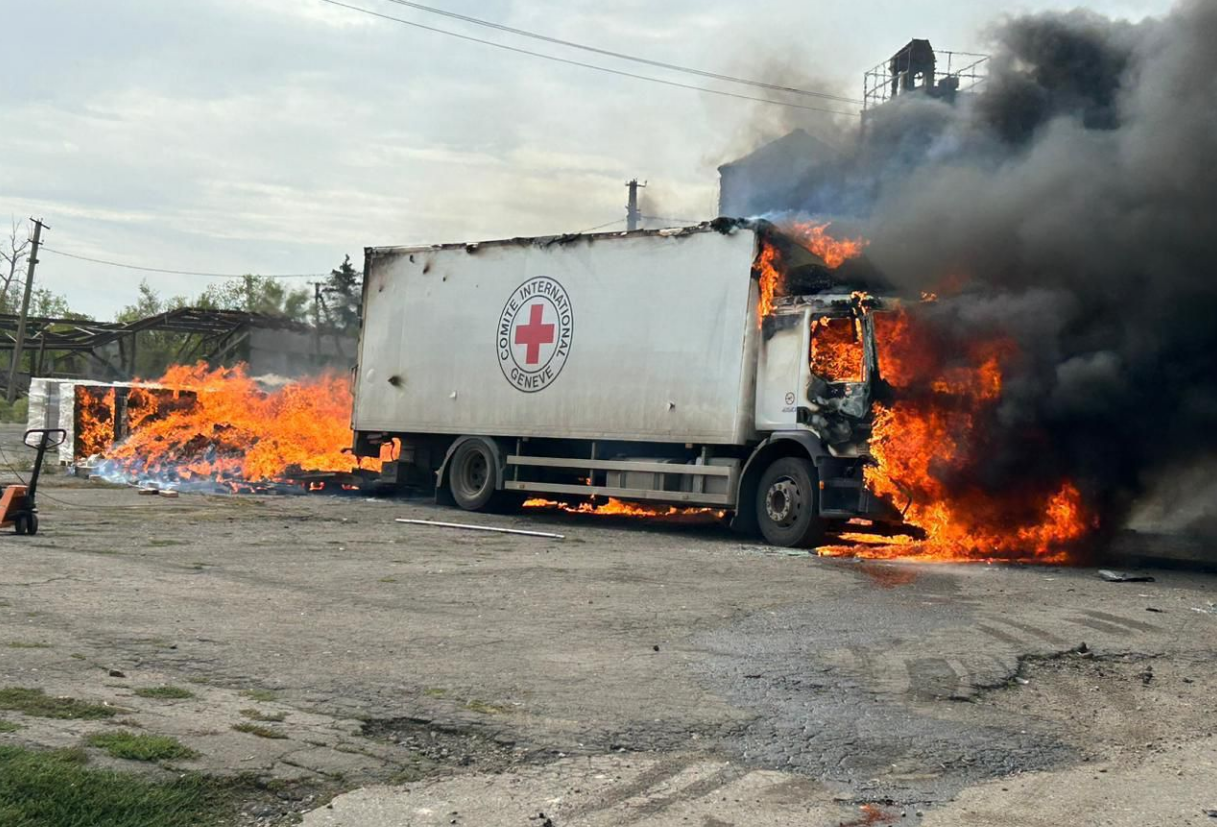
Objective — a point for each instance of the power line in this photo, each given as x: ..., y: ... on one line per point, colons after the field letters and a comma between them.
x: 673, y: 220
x: 623, y: 56
x: 594, y: 66
x: 108, y: 263
x: 600, y: 226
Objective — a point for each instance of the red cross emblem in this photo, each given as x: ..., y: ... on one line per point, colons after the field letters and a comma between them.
x: 534, y: 334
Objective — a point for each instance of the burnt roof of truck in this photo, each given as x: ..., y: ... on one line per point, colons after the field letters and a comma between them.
x: 718, y: 225
x: 807, y: 273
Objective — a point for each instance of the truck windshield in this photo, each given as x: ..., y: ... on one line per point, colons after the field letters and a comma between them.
x: 836, y: 349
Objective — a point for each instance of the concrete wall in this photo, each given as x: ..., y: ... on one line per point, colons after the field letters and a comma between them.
x: 291, y: 354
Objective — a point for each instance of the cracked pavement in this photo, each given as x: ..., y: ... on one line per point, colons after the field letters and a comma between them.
x: 633, y: 673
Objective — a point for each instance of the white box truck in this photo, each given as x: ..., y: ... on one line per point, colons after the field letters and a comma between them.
x: 632, y: 365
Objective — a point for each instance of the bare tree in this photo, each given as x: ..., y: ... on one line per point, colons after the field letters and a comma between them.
x: 14, y: 251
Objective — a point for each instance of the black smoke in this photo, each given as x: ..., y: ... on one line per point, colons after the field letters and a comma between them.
x: 1076, y: 197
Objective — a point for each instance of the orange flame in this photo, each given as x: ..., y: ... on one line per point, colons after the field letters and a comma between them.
x: 95, y: 412
x: 202, y: 424
x: 925, y: 446
x: 614, y: 507
x: 814, y: 238
x: 836, y: 349
x: 767, y: 264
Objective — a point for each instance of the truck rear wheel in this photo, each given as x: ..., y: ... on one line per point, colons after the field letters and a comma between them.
x: 786, y: 504
x: 472, y: 475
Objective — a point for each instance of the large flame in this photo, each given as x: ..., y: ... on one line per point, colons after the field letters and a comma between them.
x: 836, y: 349
x: 197, y: 424
x: 929, y: 447
x: 94, y: 419
x: 813, y: 237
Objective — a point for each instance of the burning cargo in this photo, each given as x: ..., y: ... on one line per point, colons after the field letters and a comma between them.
x: 211, y: 430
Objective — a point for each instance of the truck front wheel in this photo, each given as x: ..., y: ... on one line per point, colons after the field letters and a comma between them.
x: 786, y: 504
x: 472, y: 475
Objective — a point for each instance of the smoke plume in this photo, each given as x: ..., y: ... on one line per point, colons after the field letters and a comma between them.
x: 1075, y: 198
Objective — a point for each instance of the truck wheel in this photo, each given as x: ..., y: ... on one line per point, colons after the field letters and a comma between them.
x: 21, y: 524
x: 786, y: 506
x: 472, y: 475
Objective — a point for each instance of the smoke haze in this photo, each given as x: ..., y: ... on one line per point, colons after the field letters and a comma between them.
x: 1076, y: 200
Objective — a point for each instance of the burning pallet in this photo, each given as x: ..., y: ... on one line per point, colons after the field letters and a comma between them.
x: 209, y: 431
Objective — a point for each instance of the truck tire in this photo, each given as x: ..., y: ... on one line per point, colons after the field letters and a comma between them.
x: 786, y: 504
x: 473, y: 475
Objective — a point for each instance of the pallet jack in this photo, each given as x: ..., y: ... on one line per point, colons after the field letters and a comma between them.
x: 18, y: 508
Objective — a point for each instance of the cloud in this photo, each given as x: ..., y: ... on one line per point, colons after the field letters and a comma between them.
x: 279, y: 135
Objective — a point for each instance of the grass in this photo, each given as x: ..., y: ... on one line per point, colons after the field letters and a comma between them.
x: 21, y: 644
x: 38, y: 704
x: 258, y: 715
x: 260, y: 731
x: 435, y: 692
x: 133, y: 747
x: 8, y: 726
x: 259, y: 694
x: 484, y: 708
x: 164, y: 693
x: 387, y: 580
x: 56, y: 789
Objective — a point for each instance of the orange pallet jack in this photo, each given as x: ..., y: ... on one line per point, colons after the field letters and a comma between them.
x: 18, y: 509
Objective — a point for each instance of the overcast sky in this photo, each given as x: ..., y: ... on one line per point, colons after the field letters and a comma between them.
x: 275, y: 136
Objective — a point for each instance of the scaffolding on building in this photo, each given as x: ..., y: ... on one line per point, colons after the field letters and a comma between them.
x: 918, y: 68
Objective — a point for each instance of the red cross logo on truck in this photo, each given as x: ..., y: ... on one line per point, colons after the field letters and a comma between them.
x: 534, y: 334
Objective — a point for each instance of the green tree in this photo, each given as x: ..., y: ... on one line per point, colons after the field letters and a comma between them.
x: 257, y: 294
x: 156, y: 350
x: 344, y: 297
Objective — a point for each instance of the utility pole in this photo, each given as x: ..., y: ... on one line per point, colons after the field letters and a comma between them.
x: 632, y: 215
x: 317, y: 285
x: 15, y: 367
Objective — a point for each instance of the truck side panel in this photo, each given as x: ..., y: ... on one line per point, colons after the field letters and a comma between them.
x: 640, y: 337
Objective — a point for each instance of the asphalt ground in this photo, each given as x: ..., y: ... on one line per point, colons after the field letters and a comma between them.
x: 634, y: 672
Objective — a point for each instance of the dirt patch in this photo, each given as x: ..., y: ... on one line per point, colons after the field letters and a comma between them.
x: 439, y: 747
x: 1112, y: 703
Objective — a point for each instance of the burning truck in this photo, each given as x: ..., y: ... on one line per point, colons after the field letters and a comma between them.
x: 657, y: 367
x: 737, y: 367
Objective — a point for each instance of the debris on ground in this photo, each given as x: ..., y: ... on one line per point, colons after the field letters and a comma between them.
x: 471, y: 527
x: 1123, y: 577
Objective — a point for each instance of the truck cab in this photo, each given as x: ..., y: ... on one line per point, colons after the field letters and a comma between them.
x: 817, y: 378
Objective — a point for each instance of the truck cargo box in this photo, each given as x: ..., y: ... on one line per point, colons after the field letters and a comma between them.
x: 642, y: 336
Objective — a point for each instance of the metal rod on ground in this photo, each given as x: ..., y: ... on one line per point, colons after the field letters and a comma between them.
x: 483, y: 528
x: 15, y: 368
